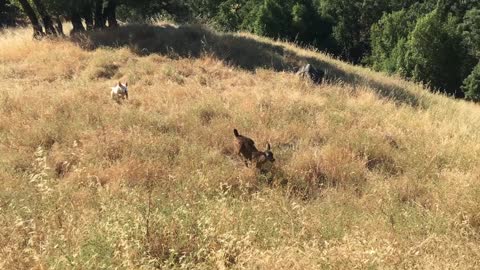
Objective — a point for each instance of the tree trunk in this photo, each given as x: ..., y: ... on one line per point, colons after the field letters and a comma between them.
x: 99, y: 18
x: 37, y: 28
x: 47, y: 20
x: 110, y: 13
x: 59, y: 26
x: 77, y: 23
x: 87, y: 14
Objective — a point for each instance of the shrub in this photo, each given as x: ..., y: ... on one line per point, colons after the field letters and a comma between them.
x: 387, y: 36
x: 272, y: 20
x: 436, y: 54
x: 471, y: 85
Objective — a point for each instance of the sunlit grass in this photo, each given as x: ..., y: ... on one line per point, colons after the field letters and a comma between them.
x: 371, y: 172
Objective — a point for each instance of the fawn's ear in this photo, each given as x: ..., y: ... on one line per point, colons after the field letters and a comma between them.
x: 119, y: 83
x: 126, y: 83
x: 268, y: 147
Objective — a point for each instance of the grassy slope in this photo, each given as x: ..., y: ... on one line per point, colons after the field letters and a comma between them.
x: 371, y: 172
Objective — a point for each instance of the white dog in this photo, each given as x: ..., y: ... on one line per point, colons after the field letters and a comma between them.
x: 120, y: 91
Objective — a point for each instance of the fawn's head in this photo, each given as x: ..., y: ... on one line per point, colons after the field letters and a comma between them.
x: 269, y: 154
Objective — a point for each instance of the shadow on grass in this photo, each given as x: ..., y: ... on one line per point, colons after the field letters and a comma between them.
x: 235, y: 50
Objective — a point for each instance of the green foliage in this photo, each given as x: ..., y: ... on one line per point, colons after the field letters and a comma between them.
x: 8, y: 13
x: 471, y: 85
x: 388, y: 38
x: 352, y: 23
x: 437, y: 49
x: 230, y: 15
x: 204, y: 9
x: 143, y: 10
x: 294, y: 20
x: 460, y: 8
x: 272, y: 19
x: 471, y: 30
x: 436, y: 54
x: 309, y: 27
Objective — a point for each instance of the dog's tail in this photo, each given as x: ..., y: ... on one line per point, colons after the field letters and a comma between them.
x: 235, y: 132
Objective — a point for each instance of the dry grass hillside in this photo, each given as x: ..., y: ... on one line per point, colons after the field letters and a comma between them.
x: 371, y: 172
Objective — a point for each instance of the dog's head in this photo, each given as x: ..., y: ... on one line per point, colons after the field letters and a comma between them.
x: 122, y: 87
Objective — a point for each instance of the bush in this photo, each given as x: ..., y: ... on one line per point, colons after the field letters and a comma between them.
x: 388, y: 37
x: 471, y: 30
x: 9, y: 14
x: 272, y: 20
x: 436, y: 54
x: 471, y: 85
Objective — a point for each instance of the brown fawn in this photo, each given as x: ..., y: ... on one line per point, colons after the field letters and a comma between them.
x: 245, y: 147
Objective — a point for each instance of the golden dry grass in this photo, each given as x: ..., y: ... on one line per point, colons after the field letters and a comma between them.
x: 371, y: 172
